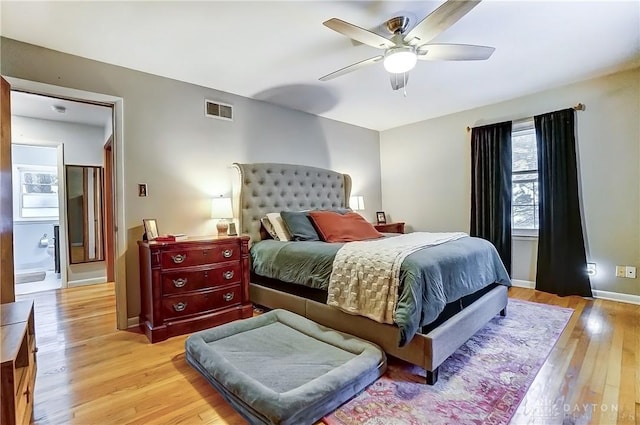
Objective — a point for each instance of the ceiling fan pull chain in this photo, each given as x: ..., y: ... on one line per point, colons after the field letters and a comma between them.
x: 404, y: 87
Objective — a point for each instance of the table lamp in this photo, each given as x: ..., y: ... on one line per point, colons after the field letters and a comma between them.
x: 356, y: 203
x: 221, y: 210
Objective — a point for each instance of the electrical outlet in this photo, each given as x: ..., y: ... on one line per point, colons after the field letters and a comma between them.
x: 621, y: 271
x: 630, y: 272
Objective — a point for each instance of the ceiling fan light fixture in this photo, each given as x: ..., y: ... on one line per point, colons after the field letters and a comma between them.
x: 398, y: 60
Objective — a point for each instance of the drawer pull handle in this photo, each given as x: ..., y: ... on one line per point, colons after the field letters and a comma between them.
x: 180, y: 306
x: 179, y: 283
x: 228, y: 296
x: 179, y: 258
x: 228, y: 274
x: 227, y: 253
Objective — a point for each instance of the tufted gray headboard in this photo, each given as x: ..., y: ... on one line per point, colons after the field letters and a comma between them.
x: 266, y: 187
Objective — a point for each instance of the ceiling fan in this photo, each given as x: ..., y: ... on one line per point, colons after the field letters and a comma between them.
x: 402, y: 51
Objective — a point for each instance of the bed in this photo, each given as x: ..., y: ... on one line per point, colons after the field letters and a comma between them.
x: 267, y: 187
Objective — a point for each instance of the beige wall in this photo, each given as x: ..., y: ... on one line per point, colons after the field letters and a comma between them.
x: 185, y: 157
x: 426, y: 171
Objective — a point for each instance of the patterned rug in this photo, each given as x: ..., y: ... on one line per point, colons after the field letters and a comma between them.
x: 483, y: 382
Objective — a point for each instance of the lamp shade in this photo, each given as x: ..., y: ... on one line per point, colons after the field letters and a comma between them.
x: 221, y: 208
x: 356, y: 203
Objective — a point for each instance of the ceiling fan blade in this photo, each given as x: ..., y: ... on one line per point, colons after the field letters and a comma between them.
x: 398, y: 81
x: 454, y: 52
x: 351, y: 68
x: 439, y: 20
x: 359, y: 34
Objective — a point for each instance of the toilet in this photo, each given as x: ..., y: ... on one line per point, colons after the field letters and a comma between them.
x: 50, y: 244
x: 51, y: 249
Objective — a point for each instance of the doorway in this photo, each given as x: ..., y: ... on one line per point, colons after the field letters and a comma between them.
x: 36, y: 217
x: 120, y: 237
x: 81, y: 129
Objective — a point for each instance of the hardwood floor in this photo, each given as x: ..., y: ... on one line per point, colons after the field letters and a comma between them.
x: 90, y: 373
x: 592, y: 376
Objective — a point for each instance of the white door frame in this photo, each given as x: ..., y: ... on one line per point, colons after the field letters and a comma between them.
x: 118, y: 147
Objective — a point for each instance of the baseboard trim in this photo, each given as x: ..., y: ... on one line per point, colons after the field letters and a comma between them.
x: 616, y: 296
x: 523, y: 283
x: 603, y: 295
x: 132, y: 322
x: 83, y: 282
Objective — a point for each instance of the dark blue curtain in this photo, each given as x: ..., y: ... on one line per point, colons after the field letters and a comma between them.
x: 562, y: 264
x: 491, y: 187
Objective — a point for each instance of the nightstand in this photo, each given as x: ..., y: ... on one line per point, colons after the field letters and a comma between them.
x: 390, y: 227
x: 194, y: 284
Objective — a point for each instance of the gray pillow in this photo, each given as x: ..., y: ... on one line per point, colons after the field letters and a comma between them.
x: 299, y: 225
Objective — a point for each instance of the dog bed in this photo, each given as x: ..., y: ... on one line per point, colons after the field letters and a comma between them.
x: 281, y: 368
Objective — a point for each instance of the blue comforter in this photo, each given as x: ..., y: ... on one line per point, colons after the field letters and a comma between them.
x: 430, y: 277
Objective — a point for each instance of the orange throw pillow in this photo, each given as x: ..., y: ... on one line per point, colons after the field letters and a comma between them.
x: 349, y: 227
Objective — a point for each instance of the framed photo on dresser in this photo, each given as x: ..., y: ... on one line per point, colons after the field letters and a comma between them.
x: 381, y: 217
x: 150, y: 228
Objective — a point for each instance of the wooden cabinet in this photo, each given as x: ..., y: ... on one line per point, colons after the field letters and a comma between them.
x: 18, y: 351
x: 193, y: 284
x: 390, y: 227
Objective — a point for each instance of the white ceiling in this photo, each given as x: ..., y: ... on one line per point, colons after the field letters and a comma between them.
x: 36, y: 106
x: 276, y: 51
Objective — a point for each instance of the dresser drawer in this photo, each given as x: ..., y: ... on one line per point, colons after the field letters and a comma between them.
x: 198, y: 256
x: 188, y: 304
x: 176, y: 282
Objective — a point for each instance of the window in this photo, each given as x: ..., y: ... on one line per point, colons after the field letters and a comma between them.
x: 38, y: 192
x: 524, y: 209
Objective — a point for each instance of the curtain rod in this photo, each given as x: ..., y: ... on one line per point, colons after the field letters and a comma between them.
x: 578, y: 107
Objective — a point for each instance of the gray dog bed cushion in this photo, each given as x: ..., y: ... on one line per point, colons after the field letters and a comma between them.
x: 281, y: 368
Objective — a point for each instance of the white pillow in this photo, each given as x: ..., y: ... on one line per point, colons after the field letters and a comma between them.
x: 279, y: 227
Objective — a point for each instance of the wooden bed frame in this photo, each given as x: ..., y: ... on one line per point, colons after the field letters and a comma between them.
x: 267, y: 187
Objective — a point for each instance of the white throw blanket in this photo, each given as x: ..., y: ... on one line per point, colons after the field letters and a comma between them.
x: 366, y: 275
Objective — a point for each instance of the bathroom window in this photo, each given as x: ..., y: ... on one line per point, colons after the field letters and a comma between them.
x: 38, y: 192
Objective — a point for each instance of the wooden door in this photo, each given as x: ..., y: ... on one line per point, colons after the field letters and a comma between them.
x: 7, y: 283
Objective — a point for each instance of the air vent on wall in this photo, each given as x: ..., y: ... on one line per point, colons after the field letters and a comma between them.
x: 218, y: 110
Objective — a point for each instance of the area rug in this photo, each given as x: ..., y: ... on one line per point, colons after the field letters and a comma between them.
x: 26, y: 277
x: 483, y: 382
